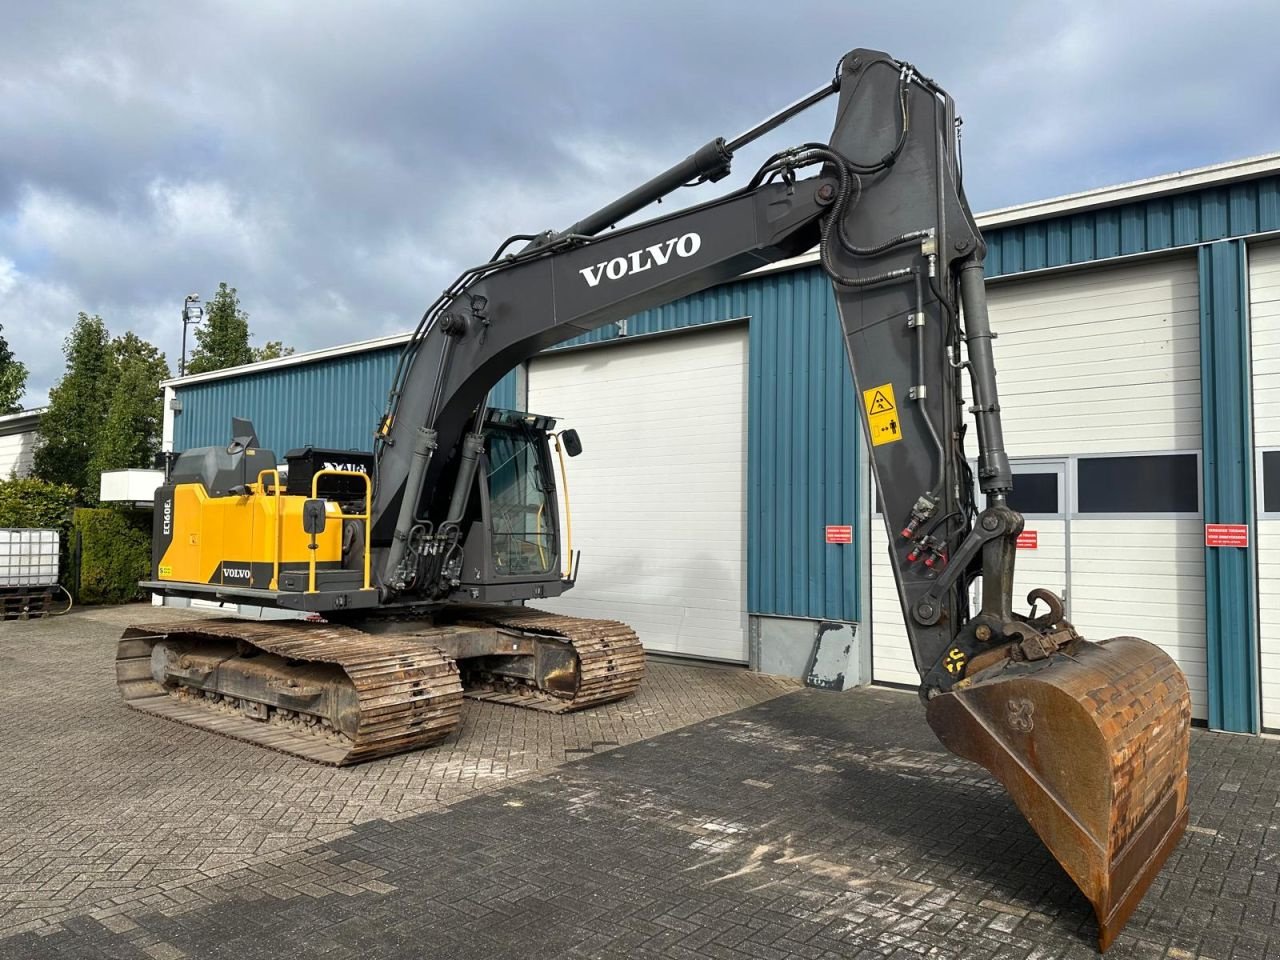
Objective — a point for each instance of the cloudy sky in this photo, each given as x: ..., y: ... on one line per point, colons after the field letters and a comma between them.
x: 339, y: 163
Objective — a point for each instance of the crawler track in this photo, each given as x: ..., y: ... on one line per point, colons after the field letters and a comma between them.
x: 610, y: 659
x: 408, y: 693
x: 337, y: 695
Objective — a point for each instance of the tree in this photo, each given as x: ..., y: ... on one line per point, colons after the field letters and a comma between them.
x: 72, y: 426
x: 13, y: 378
x: 223, y: 339
x: 272, y: 350
x: 135, y: 410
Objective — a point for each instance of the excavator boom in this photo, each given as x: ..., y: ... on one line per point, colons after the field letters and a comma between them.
x: 1089, y: 738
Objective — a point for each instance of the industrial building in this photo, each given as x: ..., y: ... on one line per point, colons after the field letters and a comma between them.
x: 18, y: 442
x: 1139, y: 361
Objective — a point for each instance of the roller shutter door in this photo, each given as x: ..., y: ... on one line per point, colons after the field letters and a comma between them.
x: 1264, y: 313
x: 1100, y: 363
x: 659, y: 492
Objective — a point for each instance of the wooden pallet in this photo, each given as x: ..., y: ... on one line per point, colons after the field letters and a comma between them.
x: 25, y: 603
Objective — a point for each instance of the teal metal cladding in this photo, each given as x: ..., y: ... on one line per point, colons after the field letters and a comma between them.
x: 334, y: 402
x: 802, y: 436
x: 1231, y: 626
x: 1161, y: 223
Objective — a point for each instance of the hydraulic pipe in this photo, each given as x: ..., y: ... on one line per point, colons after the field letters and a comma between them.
x: 711, y: 161
x: 783, y: 115
x: 994, y: 474
x: 472, y: 445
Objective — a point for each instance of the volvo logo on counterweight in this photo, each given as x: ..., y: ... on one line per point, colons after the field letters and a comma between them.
x: 637, y: 261
x: 349, y: 467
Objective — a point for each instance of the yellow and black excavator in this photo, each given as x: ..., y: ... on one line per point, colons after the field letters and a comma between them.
x: 418, y: 555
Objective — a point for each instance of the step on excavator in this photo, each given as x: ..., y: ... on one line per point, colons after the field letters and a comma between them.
x: 418, y: 556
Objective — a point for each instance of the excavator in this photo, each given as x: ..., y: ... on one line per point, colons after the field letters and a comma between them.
x: 410, y: 566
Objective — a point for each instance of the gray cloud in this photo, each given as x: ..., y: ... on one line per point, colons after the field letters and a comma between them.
x: 340, y: 162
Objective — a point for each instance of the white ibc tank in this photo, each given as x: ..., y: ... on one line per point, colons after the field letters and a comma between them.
x: 28, y: 558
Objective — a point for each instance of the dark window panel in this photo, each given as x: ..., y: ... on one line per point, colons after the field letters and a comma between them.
x: 1271, y: 481
x: 1035, y: 493
x: 1161, y: 483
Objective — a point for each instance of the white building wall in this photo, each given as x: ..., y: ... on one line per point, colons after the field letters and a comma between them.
x: 1264, y: 314
x: 16, y: 453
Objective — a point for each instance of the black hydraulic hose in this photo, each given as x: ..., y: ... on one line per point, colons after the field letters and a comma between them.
x: 911, y: 236
x: 905, y: 76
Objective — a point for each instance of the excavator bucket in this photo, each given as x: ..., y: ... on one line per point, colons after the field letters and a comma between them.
x: 1091, y: 744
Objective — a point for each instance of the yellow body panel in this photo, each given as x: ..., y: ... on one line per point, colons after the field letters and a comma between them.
x: 235, y: 541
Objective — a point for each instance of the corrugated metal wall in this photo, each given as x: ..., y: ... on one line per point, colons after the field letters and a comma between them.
x: 1228, y: 487
x: 1157, y: 224
x: 330, y: 403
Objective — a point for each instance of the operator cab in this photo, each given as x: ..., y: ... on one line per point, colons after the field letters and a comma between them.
x: 512, y: 549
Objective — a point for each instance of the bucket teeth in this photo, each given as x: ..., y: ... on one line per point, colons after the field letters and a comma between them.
x: 1091, y: 744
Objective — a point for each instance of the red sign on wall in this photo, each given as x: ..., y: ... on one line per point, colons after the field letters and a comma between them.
x: 839, y: 534
x: 1029, y: 540
x: 1226, y: 535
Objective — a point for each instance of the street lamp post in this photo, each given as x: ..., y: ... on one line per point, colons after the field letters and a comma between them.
x: 192, y: 312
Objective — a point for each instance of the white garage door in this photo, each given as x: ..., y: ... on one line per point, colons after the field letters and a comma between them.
x: 1264, y: 313
x: 659, y: 492
x: 1100, y: 377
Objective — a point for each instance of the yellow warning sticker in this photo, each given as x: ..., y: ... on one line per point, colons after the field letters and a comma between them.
x: 166, y: 571
x: 882, y: 414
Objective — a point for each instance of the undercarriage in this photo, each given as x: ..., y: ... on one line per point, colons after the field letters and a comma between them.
x: 340, y: 695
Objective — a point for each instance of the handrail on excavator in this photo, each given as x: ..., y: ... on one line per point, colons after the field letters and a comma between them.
x: 368, y: 513
x: 275, y: 539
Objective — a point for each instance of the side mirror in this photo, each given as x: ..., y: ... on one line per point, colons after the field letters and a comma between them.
x: 313, y: 517
x: 572, y: 442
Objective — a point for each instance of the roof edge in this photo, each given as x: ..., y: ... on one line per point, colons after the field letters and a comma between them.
x: 293, y: 360
x: 21, y: 422
x: 1215, y: 174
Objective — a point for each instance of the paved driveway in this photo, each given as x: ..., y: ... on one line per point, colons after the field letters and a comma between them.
x: 806, y: 825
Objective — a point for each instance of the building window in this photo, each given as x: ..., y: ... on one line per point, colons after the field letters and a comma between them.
x: 1149, y: 483
x: 1036, y: 492
x: 1271, y: 481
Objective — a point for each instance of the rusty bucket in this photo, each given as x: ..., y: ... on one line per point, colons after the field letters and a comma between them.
x: 1091, y: 744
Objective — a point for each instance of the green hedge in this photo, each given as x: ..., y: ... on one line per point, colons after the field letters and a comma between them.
x: 28, y: 502
x: 115, y: 553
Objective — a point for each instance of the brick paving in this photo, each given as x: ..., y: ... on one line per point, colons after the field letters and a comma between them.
x: 103, y: 809
x: 811, y: 825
